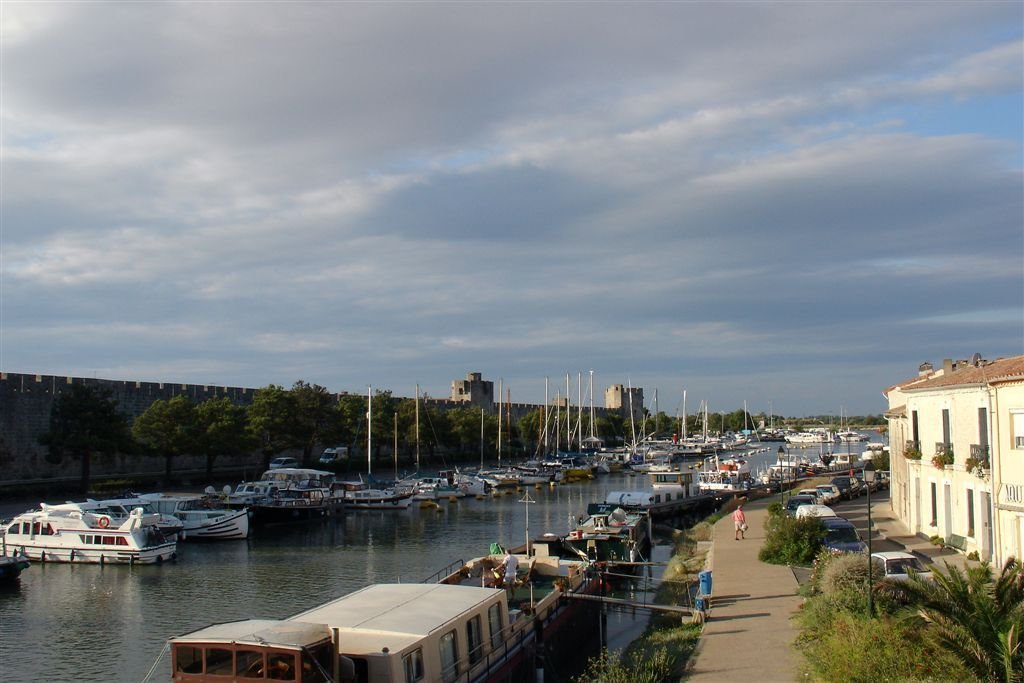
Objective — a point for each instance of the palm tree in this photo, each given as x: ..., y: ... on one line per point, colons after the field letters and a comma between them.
x: 977, y: 617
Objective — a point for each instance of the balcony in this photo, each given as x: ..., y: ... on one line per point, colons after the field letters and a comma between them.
x: 943, y: 448
x: 943, y: 454
x: 979, y: 457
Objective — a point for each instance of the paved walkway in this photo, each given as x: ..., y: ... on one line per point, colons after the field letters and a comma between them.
x: 749, y: 634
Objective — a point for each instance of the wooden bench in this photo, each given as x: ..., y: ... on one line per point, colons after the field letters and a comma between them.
x: 956, y: 541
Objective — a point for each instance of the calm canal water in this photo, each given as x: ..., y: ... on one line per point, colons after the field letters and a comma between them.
x: 64, y: 622
x: 85, y: 622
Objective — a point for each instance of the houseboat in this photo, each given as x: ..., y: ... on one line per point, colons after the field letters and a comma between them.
x: 453, y: 630
x: 672, y: 492
x: 297, y: 495
x: 64, y: 534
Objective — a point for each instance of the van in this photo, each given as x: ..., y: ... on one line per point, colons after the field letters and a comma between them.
x: 841, y: 536
x: 333, y: 455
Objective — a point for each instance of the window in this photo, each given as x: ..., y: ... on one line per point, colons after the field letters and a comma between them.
x: 1017, y: 419
x: 494, y: 617
x: 281, y: 666
x: 475, y: 638
x: 913, y: 426
x: 188, y: 660
x: 935, y: 506
x: 970, y: 512
x: 449, y: 657
x: 945, y: 426
x: 413, y: 663
x: 982, y: 427
x: 218, y: 662
x: 14, y: 529
x: 249, y: 663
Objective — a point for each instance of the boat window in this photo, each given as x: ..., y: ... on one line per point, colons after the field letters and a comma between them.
x: 494, y: 617
x: 475, y: 638
x: 281, y: 666
x: 48, y: 531
x: 188, y: 660
x: 121, y: 540
x: 316, y: 664
x: 249, y: 663
x: 413, y: 663
x: 37, y: 528
x: 449, y: 657
x: 218, y: 662
x: 14, y: 529
x: 26, y: 528
x: 108, y: 540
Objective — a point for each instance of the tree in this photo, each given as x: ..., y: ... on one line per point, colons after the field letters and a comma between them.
x: 221, y: 429
x: 313, y: 416
x: 271, y: 421
x: 167, y: 428
x: 975, y: 616
x: 84, y: 421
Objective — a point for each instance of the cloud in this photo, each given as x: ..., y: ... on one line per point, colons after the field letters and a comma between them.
x: 735, y: 198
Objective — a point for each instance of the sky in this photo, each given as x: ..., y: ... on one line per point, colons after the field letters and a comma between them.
x: 791, y: 205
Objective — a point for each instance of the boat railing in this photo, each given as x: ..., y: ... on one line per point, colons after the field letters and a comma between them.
x: 512, y: 640
x: 441, y: 574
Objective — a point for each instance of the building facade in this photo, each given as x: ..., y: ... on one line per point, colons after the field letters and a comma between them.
x: 956, y: 437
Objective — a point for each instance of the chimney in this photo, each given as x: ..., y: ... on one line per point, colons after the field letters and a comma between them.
x: 947, y: 366
x: 924, y: 369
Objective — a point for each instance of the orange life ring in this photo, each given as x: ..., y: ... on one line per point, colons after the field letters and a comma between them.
x: 104, y: 522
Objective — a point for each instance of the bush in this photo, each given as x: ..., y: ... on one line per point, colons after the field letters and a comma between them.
x: 854, y: 648
x: 609, y: 668
x: 790, y: 540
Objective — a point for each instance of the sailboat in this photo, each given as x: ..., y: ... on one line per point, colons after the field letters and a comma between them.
x: 359, y: 494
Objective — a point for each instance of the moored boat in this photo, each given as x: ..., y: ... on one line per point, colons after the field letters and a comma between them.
x: 203, y: 517
x: 11, y: 566
x: 65, y: 534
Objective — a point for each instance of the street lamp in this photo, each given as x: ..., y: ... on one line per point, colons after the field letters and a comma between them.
x: 869, y: 478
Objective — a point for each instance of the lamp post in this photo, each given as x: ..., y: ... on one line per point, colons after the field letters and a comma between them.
x: 869, y: 478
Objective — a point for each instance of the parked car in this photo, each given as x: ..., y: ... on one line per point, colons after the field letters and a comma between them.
x: 829, y: 493
x: 796, y: 501
x: 841, y: 535
x: 812, y: 492
x: 334, y: 455
x: 814, y: 511
x: 279, y: 463
x: 882, y: 477
x: 897, y: 565
x: 848, y: 486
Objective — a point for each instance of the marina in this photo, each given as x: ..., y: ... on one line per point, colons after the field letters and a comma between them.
x: 283, y: 570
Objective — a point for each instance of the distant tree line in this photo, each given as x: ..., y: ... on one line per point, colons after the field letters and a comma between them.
x: 85, y: 422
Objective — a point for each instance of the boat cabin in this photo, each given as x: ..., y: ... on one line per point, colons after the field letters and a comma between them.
x: 382, y: 633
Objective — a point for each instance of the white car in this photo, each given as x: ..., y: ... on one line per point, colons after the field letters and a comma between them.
x: 279, y: 463
x: 815, y: 511
x: 812, y: 492
x: 829, y: 493
x: 895, y: 565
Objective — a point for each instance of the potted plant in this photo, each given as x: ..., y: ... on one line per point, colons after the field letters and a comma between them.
x: 942, y: 459
x: 912, y: 454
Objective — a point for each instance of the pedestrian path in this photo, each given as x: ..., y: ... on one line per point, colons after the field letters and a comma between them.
x: 749, y: 634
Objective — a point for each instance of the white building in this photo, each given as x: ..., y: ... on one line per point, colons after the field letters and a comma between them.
x: 956, y: 436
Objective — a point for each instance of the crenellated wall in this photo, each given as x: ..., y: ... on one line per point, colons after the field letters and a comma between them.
x: 26, y: 401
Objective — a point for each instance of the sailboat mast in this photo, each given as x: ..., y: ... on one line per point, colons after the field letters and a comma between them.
x: 579, y: 408
x: 369, y: 429
x: 417, y: 427
x: 683, y: 430
x: 396, y: 445
x: 545, y: 425
x: 568, y: 416
x: 591, y: 405
x: 500, y: 391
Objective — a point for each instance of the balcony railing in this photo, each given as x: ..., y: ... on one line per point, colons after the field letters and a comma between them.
x: 912, y: 446
x: 979, y: 453
x: 943, y: 447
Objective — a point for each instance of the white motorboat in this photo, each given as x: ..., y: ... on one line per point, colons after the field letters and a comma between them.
x: 724, y: 475
x: 63, y: 533
x: 203, y: 517
x: 359, y: 495
x: 119, y: 509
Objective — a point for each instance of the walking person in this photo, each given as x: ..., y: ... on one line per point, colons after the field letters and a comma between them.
x: 739, y: 521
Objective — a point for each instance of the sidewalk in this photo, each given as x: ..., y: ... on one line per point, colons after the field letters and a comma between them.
x: 748, y: 635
